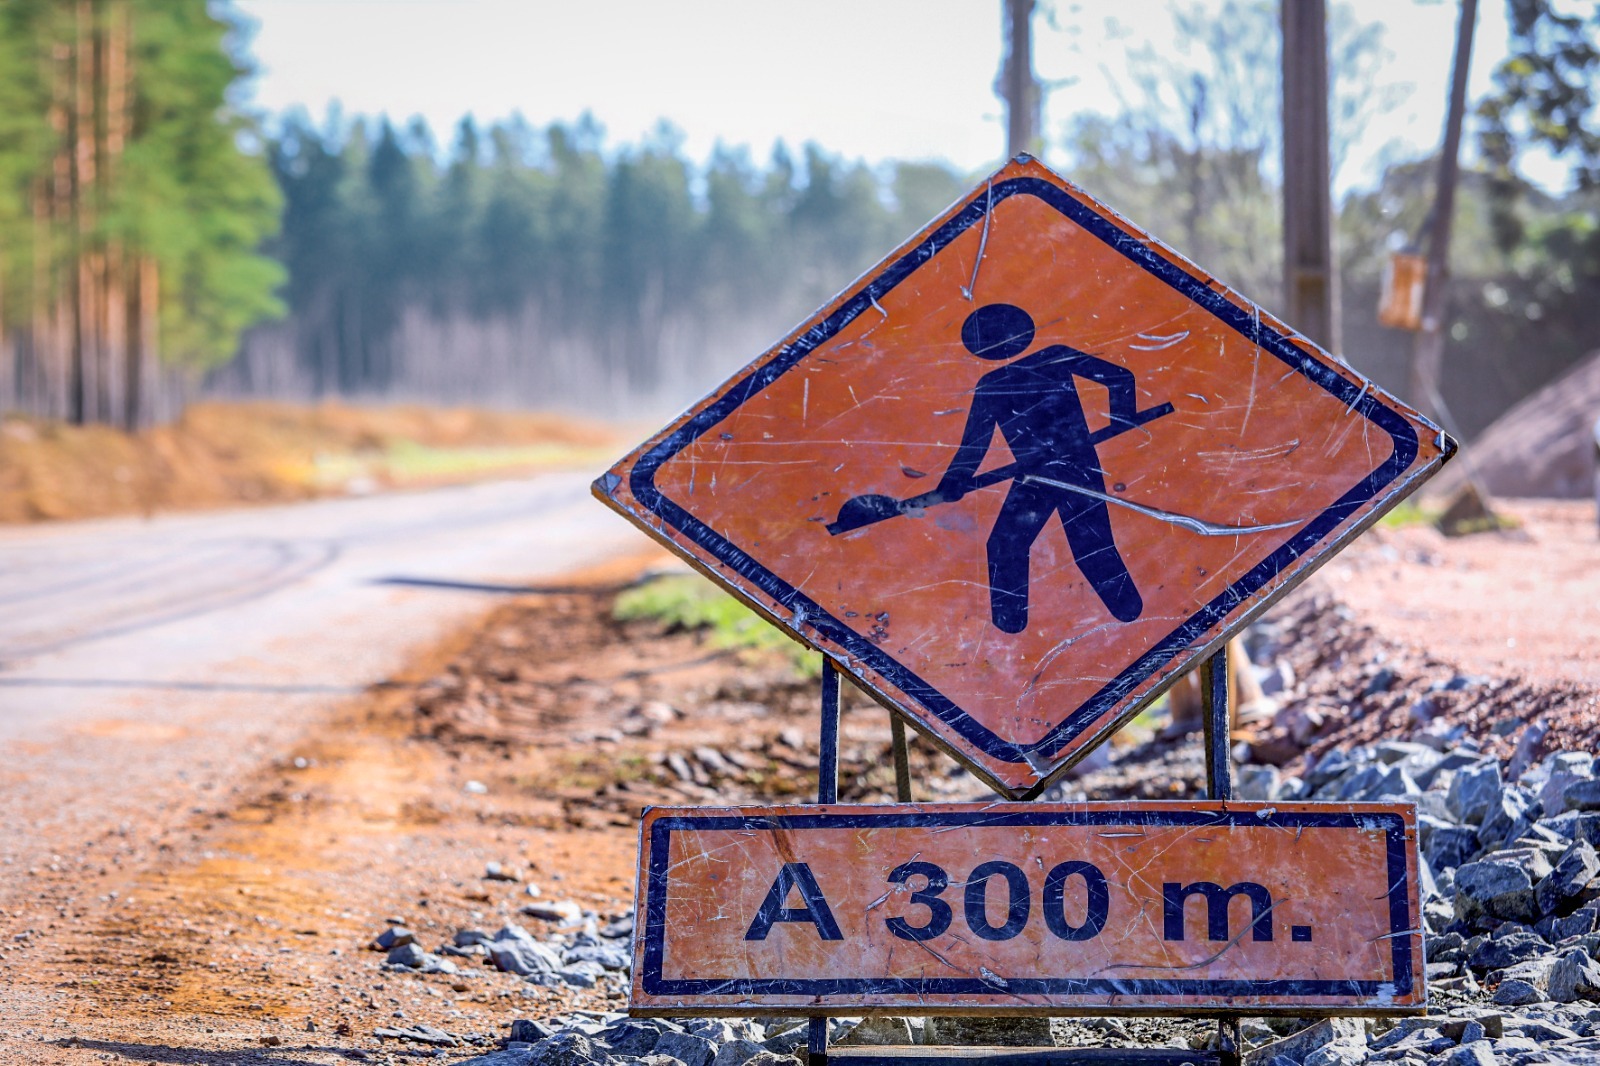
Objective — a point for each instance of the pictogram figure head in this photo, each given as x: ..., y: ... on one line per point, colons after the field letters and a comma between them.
x: 997, y: 331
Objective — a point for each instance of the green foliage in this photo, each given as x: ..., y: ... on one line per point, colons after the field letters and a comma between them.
x: 178, y: 182
x: 690, y: 602
x: 1546, y: 93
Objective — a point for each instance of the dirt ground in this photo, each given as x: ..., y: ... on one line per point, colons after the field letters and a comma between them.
x: 224, y: 454
x: 533, y: 738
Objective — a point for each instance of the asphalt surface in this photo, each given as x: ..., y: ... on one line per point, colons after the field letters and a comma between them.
x: 146, y: 666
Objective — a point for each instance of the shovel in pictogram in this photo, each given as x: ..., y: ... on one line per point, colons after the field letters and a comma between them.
x: 870, y: 509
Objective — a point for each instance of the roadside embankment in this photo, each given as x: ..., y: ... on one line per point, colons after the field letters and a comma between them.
x: 224, y: 454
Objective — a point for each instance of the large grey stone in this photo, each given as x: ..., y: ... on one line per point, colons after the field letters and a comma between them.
x: 1473, y: 791
x: 716, y: 1030
x: 1524, y: 983
x: 1403, y: 1030
x: 1509, y: 816
x: 524, y: 956
x: 1497, y: 888
x: 393, y: 937
x: 412, y: 957
x: 512, y: 931
x: 1449, y: 846
x: 1333, y: 764
x: 1338, y: 1053
x: 1396, y: 783
x: 630, y: 1038
x: 786, y: 1035
x: 1359, y: 785
x: 1553, y: 792
x: 1574, y: 976
x: 1564, y: 883
x: 879, y: 1031
x: 1301, y: 1045
x: 1501, y: 952
x: 688, y: 1048
x: 737, y: 1053
x: 1517, y: 992
x: 1477, y: 1053
x: 608, y: 956
x: 1574, y: 825
x: 528, y: 1031
x: 1582, y: 795
x: 1539, y: 1030
x: 1580, y: 922
x: 566, y: 1048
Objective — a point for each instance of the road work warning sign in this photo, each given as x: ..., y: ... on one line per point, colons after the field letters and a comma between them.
x: 1023, y: 473
x: 1049, y: 907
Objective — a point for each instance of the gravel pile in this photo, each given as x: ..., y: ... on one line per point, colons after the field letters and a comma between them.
x: 586, y: 957
x: 1511, y: 898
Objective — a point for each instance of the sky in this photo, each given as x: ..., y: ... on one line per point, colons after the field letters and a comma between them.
x: 870, y: 79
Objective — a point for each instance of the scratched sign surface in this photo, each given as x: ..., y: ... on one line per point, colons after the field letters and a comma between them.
x: 1029, y: 907
x: 1023, y: 473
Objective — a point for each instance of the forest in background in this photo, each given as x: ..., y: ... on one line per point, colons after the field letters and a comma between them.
x: 157, y: 242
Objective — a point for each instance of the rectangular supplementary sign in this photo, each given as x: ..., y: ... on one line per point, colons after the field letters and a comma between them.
x: 1011, y: 908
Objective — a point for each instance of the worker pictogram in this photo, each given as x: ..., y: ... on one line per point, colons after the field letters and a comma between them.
x: 1033, y: 403
x: 1025, y: 473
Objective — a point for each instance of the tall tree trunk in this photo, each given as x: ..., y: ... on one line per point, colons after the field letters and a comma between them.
x: 86, y: 353
x: 65, y: 382
x: 40, y: 347
x: 143, y: 337
x: 117, y: 363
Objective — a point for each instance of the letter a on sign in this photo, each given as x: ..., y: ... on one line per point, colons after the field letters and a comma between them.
x: 1024, y: 473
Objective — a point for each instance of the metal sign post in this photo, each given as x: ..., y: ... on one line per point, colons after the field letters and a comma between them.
x: 1016, y: 481
x: 1219, y: 786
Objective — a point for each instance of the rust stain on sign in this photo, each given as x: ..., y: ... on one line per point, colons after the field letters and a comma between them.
x: 1014, y: 908
x: 1024, y: 473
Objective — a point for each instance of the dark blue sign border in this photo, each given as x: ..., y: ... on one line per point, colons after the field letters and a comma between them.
x: 1359, y: 400
x: 655, y: 907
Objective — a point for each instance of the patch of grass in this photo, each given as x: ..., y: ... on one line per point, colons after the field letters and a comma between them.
x: 1409, y: 513
x: 408, y: 462
x: 690, y: 602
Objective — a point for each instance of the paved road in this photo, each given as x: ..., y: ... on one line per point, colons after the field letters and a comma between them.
x: 146, y: 666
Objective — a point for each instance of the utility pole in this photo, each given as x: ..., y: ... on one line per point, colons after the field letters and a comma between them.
x: 1017, y: 84
x: 1310, y: 267
x: 1427, y: 355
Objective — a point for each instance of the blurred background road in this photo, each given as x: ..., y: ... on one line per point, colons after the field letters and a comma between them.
x: 147, y: 663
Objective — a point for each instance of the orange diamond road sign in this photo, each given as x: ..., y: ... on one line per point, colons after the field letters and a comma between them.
x: 1056, y: 908
x: 1024, y: 473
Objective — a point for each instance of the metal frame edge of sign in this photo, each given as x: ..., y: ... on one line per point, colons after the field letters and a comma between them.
x: 1358, y: 515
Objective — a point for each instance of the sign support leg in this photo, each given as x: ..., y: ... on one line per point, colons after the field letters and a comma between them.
x: 902, y: 759
x: 827, y: 792
x: 828, y: 742
x: 1229, y: 1052
x: 1219, y: 786
x: 1214, y: 704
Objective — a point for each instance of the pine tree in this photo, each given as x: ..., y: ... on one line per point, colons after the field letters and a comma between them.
x: 129, y: 215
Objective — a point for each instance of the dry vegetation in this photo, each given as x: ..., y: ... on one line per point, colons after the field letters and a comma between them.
x: 220, y: 454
